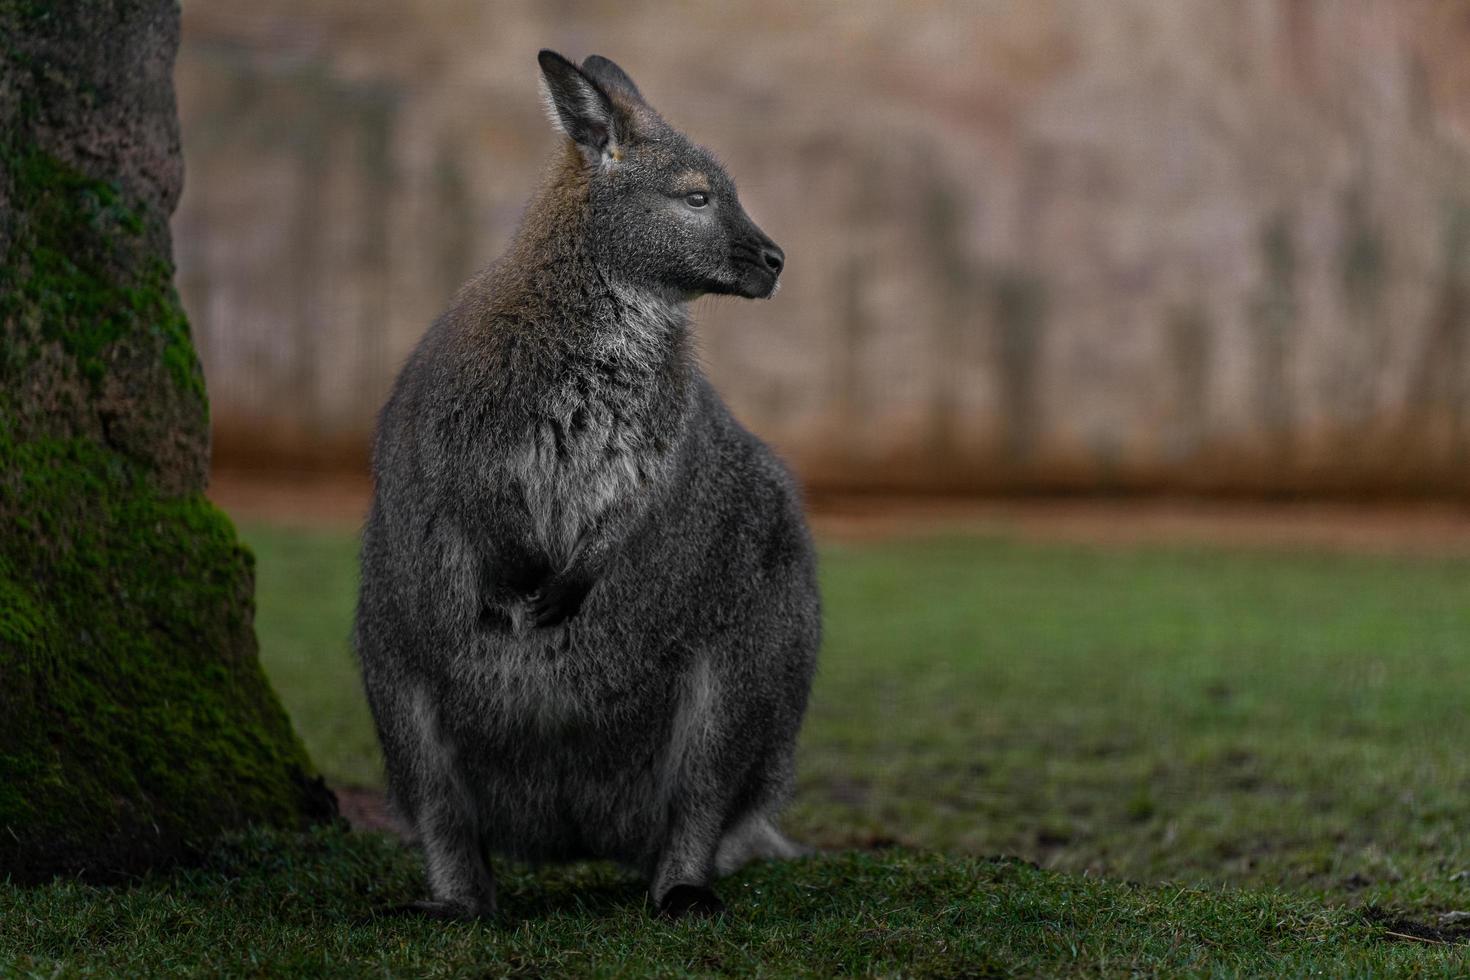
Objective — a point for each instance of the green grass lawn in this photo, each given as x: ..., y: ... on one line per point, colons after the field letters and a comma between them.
x: 267, y: 906
x: 1218, y: 760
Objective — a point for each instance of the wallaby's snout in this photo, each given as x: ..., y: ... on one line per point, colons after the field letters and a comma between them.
x: 758, y: 262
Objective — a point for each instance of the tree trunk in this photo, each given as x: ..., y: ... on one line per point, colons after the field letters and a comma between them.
x: 135, y: 721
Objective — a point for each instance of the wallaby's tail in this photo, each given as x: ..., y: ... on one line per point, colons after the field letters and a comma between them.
x: 755, y: 839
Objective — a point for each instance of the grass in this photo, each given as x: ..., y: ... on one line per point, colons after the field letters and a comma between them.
x: 1270, y: 745
x: 265, y: 906
x: 1155, y: 714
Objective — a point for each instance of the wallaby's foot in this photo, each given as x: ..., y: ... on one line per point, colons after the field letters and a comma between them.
x: 558, y: 600
x: 447, y: 911
x: 684, y: 901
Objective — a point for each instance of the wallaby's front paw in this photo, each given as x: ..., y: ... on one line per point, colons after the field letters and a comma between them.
x: 690, y: 900
x: 558, y: 601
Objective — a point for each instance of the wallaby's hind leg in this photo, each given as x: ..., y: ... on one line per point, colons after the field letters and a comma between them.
x: 433, y: 800
x: 686, y: 866
x: 454, y: 862
x: 755, y: 838
x: 699, y: 799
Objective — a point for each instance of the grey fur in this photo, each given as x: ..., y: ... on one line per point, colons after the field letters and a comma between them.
x: 589, y: 616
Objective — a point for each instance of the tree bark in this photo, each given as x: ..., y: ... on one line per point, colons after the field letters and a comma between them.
x: 135, y: 722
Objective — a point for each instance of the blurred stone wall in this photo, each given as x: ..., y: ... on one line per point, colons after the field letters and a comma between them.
x: 1043, y: 244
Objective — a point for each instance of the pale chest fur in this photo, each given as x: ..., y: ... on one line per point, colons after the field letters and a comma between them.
x: 598, y: 440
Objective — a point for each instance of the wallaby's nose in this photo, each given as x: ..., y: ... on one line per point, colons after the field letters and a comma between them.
x: 774, y: 258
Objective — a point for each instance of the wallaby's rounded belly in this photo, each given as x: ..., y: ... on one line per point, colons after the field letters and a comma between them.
x: 565, y: 733
x: 570, y: 794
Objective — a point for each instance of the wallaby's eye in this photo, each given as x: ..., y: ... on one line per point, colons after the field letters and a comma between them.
x: 696, y: 200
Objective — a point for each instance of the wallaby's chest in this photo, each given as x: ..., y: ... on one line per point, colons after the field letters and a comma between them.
x: 596, y: 439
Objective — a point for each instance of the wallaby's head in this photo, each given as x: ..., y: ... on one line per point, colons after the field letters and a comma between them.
x: 662, y: 213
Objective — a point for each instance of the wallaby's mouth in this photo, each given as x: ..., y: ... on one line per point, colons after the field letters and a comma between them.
x: 759, y: 264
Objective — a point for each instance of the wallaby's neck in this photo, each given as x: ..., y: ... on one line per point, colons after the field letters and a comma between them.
x: 560, y: 270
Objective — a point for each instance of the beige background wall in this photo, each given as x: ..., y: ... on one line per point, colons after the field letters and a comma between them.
x: 1163, y: 243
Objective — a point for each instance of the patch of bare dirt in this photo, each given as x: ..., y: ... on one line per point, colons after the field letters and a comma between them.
x: 1389, y: 528
x: 302, y: 499
x: 1398, y: 928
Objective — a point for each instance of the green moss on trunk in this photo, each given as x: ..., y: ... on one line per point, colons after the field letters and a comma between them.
x: 137, y: 721
x: 81, y: 274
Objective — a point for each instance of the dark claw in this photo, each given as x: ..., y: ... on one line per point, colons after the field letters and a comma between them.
x: 690, y: 900
x: 558, y: 601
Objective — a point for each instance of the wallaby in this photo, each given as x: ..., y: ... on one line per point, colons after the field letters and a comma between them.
x: 589, y: 616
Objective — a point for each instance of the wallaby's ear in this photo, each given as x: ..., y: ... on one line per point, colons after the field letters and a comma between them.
x: 579, y: 107
x: 612, y: 78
